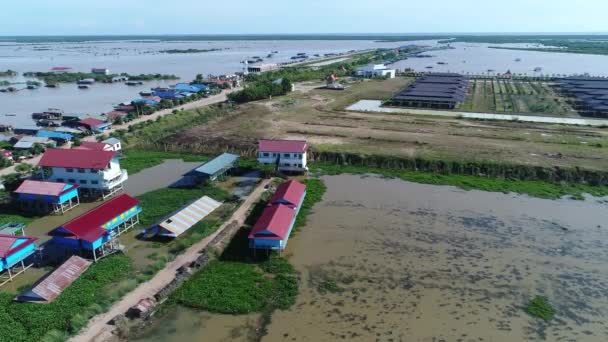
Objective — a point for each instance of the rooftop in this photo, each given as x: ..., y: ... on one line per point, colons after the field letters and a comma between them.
x: 92, y: 122
x: 274, y: 223
x: 289, y: 192
x: 11, y: 244
x: 217, y: 164
x: 83, y: 159
x: 293, y: 146
x: 95, y: 146
x: 44, y: 188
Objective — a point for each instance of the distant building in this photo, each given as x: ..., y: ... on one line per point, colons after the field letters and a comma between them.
x: 61, y: 70
x: 436, y: 90
x: 287, y: 155
x: 28, y: 142
x: 95, y: 125
x: 96, y: 172
x: 114, y: 143
x: 59, y: 137
x: 375, y: 70
x: 94, y: 146
x: 215, y: 168
x: 86, y: 81
x: 100, y: 71
x: 257, y: 68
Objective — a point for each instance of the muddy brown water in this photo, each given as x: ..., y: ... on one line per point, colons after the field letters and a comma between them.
x: 387, y: 260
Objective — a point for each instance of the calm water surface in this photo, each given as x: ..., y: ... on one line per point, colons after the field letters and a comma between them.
x: 429, y: 263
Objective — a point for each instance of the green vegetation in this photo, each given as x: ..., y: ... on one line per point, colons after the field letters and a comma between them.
x: 90, y: 294
x: 136, y: 160
x: 315, y: 189
x: 539, y: 189
x: 73, y: 77
x: 162, y: 202
x: 174, y: 51
x: 261, y: 89
x: 540, y: 307
x: 238, y: 288
x: 8, y: 73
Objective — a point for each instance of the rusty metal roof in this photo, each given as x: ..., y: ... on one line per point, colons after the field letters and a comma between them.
x: 190, y: 215
x: 53, y: 284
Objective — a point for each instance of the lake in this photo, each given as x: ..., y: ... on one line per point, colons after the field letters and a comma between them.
x: 416, y: 262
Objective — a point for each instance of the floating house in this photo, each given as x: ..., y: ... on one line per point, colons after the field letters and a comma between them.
x: 30, y: 130
x: 96, y: 172
x: 182, y: 220
x: 272, y: 230
x: 13, y: 252
x: 47, y: 197
x: 146, y: 102
x: 95, y: 125
x: 94, y: 233
x: 287, y: 155
x: 53, y: 284
x: 258, y: 68
x: 436, y: 90
x: 214, y: 169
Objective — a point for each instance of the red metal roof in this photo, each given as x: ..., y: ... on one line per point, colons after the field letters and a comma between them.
x: 53, y: 284
x: 115, y: 114
x: 275, y: 219
x: 95, y: 146
x: 7, y: 241
x: 290, y: 191
x: 92, y: 122
x: 293, y: 146
x: 43, y: 188
x: 88, y: 226
x: 83, y: 159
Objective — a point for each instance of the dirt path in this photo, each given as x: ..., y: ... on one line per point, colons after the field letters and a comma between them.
x: 191, y: 105
x: 98, y: 330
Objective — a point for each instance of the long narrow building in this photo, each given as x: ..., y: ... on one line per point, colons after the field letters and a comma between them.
x: 437, y: 90
x: 272, y: 230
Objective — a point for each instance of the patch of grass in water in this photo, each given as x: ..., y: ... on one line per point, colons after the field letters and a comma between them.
x: 540, y: 307
x: 134, y: 160
x: 538, y: 189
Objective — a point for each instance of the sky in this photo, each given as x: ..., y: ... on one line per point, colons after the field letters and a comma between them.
x: 90, y: 17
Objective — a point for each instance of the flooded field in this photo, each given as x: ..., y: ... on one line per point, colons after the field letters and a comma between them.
x: 387, y: 260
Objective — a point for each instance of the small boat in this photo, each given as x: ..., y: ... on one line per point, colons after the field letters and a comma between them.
x: 269, y: 55
x: 32, y: 86
x: 134, y: 83
x: 442, y: 63
x: 11, y: 89
x: 145, y: 93
x: 10, y: 114
x: 317, y: 55
x: 275, y: 51
x: 83, y: 86
x: 52, y: 85
x: 491, y: 70
x: 429, y: 67
x: 518, y: 59
x: 3, y: 90
x: 538, y: 69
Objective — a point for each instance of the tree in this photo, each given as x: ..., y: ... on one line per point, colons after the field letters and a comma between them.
x: 37, y: 149
x: 24, y: 168
x: 11, y: 181
x: 77, y: 141
x: 267, y: 169
x: 286, y: 85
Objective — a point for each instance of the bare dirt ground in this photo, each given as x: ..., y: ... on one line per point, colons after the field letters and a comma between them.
x: 318, y: 115
x: 98, y: 328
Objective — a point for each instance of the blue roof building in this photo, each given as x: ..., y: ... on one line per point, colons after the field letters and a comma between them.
x: 215, y: 168
x: 55, y: 135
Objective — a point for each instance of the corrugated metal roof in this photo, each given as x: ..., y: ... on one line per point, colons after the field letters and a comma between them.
x: 293, y: 146
x: 289, y: 192
x: 43, y: 188
x: 88, y: 226
x: 190, y: 215
x: 219, y: 163
x: 274, y: 222
x: 56, y: 282
x: 8, y: 247
x: 54, y: 134
x: 84, y: 159
x: 95, y: 146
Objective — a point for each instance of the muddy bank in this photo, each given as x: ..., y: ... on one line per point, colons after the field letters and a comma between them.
x: 387, y: 260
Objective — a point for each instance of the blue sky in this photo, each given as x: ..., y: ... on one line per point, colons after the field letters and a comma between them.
x: 71, y: 17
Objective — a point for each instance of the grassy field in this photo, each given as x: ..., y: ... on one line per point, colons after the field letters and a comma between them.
x: 134, y: 160
x: 510, y: 96
x: 92, y: 293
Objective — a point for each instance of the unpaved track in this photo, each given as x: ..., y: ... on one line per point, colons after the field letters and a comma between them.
x: 98, y: 330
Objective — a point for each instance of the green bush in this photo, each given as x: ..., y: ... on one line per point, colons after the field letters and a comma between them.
x: 540, y: 307
x: 69, y: 312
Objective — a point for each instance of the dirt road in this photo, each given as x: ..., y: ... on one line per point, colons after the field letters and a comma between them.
x: 191, y: 105
x: 98, y: 330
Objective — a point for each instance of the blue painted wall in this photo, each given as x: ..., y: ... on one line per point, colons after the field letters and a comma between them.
x: 17, y: 257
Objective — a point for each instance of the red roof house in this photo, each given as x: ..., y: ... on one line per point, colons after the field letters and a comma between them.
x: 92, y: 123
x: 8, y: 244
x: 44, y: 188
x: 287, y: 146
x: 289, y: 193
x: 74, y: 158
x: 274, y: 223
x: 93, y: 225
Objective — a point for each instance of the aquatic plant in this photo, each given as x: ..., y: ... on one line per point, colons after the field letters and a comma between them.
x: 540, y: 307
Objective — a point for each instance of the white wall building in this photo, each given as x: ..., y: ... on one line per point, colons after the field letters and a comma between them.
x: 98, y: 172
x: 115, y: 143
x: 375, y: 70
x: 287, y: 155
